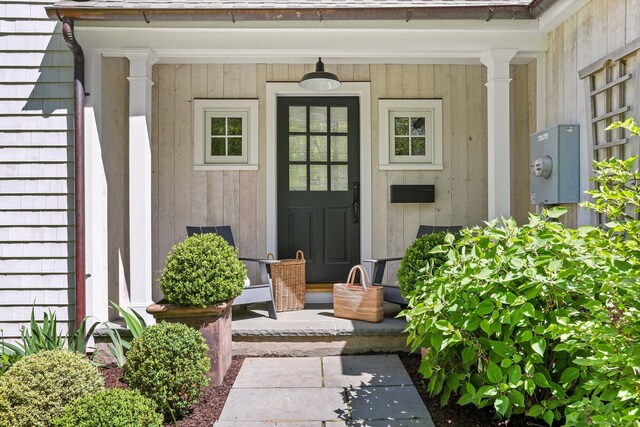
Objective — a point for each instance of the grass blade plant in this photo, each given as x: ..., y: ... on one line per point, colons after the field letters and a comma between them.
x: 119, y: 346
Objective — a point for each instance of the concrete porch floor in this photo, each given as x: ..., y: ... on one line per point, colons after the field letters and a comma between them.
x: 314, y: 331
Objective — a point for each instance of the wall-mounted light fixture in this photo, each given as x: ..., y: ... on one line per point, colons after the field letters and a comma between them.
x: 320, y: 79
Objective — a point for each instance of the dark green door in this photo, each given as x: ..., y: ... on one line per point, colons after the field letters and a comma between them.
x: 319, y: 184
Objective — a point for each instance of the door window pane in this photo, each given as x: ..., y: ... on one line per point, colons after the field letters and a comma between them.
x: 339, y: 149
x: 339, y: 177
x: 297, y: 119
x: 318, y: 178
x: 297, y: 148
x: 338, y: 119
x: 318, y: 148
x: 318, y: 119
x: 297, y: 178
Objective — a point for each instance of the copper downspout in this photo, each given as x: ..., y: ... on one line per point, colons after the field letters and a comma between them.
x: 78, y: 118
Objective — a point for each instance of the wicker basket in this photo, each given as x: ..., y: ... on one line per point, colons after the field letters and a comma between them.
x: 289, y: 282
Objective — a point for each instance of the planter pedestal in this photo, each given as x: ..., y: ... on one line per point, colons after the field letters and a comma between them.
x: 214, y: 323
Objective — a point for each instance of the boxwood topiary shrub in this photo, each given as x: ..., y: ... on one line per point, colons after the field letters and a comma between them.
x: 168, y: 363
x: 202, y: 271
x: 416, y: 258
x: 36, y: 388
x: 110, y: 408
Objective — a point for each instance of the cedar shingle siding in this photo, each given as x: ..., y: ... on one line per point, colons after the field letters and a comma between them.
x: 36, y: 166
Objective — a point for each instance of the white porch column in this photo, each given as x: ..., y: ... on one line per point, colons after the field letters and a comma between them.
x: 499, y: 175
x: 140, y: 62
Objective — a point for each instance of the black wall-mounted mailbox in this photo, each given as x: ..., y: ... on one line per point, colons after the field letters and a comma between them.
x: 413, y: 193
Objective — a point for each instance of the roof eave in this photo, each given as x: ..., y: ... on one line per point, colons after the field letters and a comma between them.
x: 300, y: 14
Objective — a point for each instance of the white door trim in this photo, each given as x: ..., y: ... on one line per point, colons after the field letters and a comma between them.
x: 363, y: 92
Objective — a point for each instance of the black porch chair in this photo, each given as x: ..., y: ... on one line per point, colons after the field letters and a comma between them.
x: 392, y: 291
x: 252, y: 293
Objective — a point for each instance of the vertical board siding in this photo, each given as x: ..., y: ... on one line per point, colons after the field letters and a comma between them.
x: 36, y: 167
x: 238, y: 198
x: 599, y: 28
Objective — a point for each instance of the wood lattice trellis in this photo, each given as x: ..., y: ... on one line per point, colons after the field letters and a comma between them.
x: 612, y: 91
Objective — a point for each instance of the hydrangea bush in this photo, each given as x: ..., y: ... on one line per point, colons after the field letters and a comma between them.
x: 540, y: 319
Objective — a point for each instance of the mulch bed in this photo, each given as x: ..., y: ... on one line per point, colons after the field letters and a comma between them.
x: 212, y: 400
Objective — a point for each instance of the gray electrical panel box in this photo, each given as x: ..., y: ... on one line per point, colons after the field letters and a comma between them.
x: 555, y: 165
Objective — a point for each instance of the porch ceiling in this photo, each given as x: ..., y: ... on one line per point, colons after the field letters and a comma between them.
x: 297, y: 10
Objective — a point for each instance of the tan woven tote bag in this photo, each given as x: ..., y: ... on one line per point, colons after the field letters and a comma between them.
x: 358, y: 301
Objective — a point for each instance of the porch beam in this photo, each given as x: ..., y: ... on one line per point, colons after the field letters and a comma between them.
x: 499, y: 159
x: 140, y: 84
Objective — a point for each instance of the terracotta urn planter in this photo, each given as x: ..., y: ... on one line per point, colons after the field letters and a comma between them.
x: 214, y: 323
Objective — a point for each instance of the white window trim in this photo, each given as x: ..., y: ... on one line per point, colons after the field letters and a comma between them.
x: 225, y: 106
x: 388, y: 106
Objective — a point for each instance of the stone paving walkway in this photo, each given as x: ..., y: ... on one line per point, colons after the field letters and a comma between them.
x: 330, y: 391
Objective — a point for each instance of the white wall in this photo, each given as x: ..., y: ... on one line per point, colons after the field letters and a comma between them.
x: 36, y: 163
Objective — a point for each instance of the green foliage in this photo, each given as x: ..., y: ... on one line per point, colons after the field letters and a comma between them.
x: 119, y: 346
x: 417, y: 258
x: 495, y: 316
x: 110, y: 408
x: 202, y: 271
x: 541, y: 319
x: 36, y: 388
x: 45, y: 336
x: 168, y: 364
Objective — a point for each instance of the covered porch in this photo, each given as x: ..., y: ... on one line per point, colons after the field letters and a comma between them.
x: 144, y: 189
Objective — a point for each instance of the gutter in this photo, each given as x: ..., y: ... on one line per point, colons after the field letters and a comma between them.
x: 78, y: 116
x: 148, y: 14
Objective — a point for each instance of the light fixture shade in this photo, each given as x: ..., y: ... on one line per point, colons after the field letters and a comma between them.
x: 320, y: 79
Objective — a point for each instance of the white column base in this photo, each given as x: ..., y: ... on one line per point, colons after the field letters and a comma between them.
x: 141, y: 309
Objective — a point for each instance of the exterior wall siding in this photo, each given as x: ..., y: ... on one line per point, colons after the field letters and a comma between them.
x: 182, y: 196
x: 599, y: 28
x: 36, y: 167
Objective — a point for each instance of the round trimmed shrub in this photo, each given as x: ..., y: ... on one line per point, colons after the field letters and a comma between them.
x: 415, y: 260
x: 110, y: 408
x: 168, y: 363
x: 202, y: 271
x: 37, y: 387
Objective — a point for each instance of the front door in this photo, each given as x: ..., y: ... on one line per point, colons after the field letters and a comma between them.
x: 319, y: 184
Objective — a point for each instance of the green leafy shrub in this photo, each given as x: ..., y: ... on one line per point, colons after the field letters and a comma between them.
x: 37, y: 387
x: 541, y: 319
x: 168, y: 363
x: 110, y: 408
x: 418, y: 257
x: 202, y: 271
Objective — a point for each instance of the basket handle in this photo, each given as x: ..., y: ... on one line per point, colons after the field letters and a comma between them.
x: 364, y: 276
x: 299, y: 255
x: 271, y: 256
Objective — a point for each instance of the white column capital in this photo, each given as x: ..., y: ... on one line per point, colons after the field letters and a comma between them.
x: 140, y: 61
x: 497, y: 62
